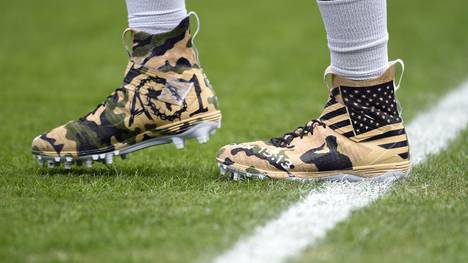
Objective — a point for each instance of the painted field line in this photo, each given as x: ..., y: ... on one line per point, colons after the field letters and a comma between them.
x: 307, y: 221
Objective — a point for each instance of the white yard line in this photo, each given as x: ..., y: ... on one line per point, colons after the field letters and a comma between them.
x: 307, y: 221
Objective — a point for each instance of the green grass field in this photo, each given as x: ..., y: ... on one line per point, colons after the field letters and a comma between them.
x: 265, y: 60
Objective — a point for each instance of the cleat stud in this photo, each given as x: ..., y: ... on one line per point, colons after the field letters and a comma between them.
x: 102, y: 156
x: 202, y: 134
x: 95, y: 157
x: 57, y: 159
x: 203, y: 139
x: 38, y: 157
x: 89, y: 163
x: 222, y: 169
x: 235, y: 176
x: 178, y: 142
x: 68, y: 159
x: 219, y: 125
x: 50, y: 164
x: 109, y: 159
x: 116, y: 152
x: 67, y: 165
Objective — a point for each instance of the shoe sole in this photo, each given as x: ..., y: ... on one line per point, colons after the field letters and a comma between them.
x: 200, y: 131
x: 376, y: 172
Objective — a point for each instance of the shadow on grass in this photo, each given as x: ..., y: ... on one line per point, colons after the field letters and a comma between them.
x: 153, y: 170
x: 182, y: 174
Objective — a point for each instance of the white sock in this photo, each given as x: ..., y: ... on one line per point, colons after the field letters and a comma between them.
x: 155, y: 16
x: 357, y: 37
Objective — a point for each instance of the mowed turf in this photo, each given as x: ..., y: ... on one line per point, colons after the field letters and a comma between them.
x: 265, y: 59
x: 422, y: 219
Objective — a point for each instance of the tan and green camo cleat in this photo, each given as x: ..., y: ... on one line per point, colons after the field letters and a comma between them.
x: 165, y: 97
x: 360, y: 134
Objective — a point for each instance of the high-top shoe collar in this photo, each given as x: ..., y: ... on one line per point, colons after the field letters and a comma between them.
x: 154, y: 51
x: 388, y: 76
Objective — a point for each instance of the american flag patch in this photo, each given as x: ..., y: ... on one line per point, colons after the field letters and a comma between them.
x: 371, y: 107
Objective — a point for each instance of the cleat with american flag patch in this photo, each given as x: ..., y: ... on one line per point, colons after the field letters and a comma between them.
x: 360, y: 134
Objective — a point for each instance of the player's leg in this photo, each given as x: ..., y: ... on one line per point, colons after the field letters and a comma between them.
x: 357, y: 37
x: 155, y: 16
x: 360, y: 133
x: 165, y: 95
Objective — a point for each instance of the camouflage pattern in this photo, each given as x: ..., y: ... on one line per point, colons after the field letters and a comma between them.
x: 164, y: 92
x: 359, y: 133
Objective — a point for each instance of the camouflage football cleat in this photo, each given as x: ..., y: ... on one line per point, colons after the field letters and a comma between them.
x: 165, y: 97
x: 360, y: 134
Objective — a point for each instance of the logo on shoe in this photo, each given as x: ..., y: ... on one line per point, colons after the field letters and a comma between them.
x: 175, y: 91
x: 278, y: 160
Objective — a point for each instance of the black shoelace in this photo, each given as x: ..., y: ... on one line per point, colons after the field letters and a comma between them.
x: 301, y: 131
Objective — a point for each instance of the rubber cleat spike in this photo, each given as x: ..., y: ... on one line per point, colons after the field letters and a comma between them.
x: 222, y: 169
x: 235, y: 176
x: 203, y: 139
x: 67, y: 165
x: 38, y: 157
x: 109, y: 159
x: 50, y: 164
x: 57, y: 159
x: 95, y: 157
x: 178, y: 142
x: 116, y: 152
x: 102, y: 156
x: 68, y: 159
x: 89, y: 163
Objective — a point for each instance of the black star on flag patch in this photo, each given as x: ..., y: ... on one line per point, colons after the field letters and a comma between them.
x: 371, y: 107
